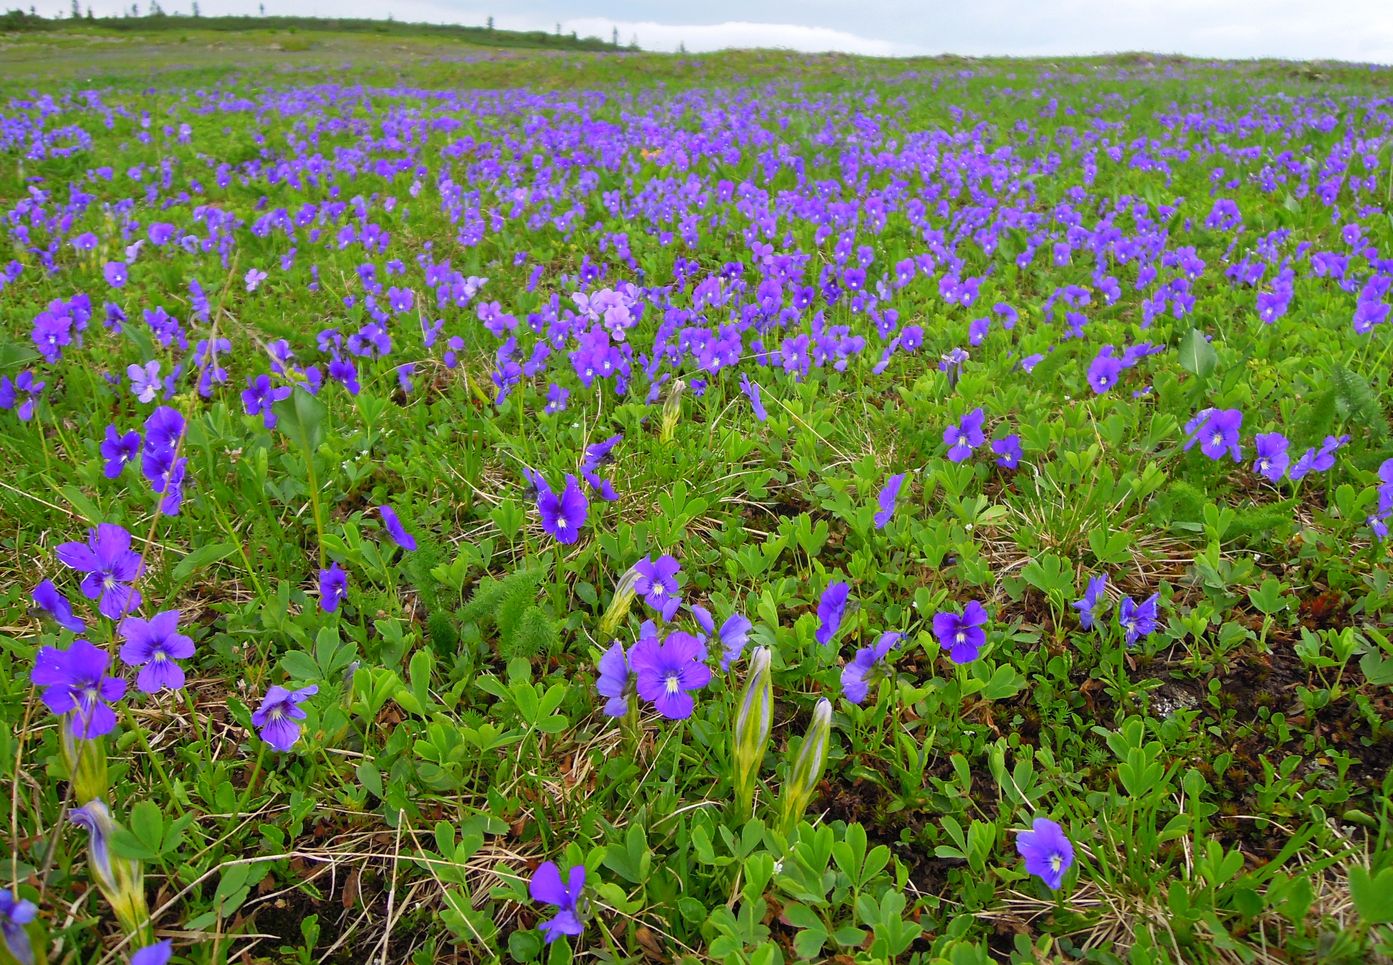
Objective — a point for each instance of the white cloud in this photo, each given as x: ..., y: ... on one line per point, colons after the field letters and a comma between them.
x: 735, y: 33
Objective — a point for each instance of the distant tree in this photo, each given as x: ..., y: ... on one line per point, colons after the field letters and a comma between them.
x: 489, y: 24
x: 89, y: 12
x: 558, y: 30
x: 195, y: 8
x: 135, y: 10
x: 262, y: 8
x: 614, y: 38
x: 633, y: 42
x: 77, y: 10
x: 681, y: 47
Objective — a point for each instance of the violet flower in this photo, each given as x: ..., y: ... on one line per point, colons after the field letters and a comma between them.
x: 75, y: 680
x: 546, y: 887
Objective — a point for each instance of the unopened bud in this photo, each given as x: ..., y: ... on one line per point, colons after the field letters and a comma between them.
x: 806, y: 772
x: 752, y: 725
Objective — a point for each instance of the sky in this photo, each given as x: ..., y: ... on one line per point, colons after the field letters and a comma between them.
x: 1353, y: 30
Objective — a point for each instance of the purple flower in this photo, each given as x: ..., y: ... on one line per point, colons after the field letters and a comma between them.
x: 1318, y: 460
x: 546, y: 888
x: 751, y: 390
x: 75, y: 680
x: 115, y: 272
x: 1216, y: 430
x: 110, y: 565
x: 117, y: 450
x: 260, y: 395
x: 156, y: 954
x: 1138, y: 619
x: 613, y: 682
x: 1008, y: 451
x: 1272, y: 459
x: 15, y: 913
x: 154, y: 645
x: 278, y: 713
x: 656, y: 582
x: 732, y: 635
x: 394, y: 528
x: 1047, y: 852
x: 254, y: 278
x: 666, y: 672
x: 1104, y: 370
x: 563, y: 514
x: 56, y: 605
x: 830, y: 610
x: 856, y: 675
x: 333, y: 588
x: 962, y: 636
x: 1092, y: 596
x: 887, y: 498
x: 145, y: 380
x: 964, y: 436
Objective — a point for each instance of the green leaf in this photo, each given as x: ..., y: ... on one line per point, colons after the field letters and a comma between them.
x: 1197, y: 356
x: 1373, y: 896
x: 301, y: 418
x: 201, y: 557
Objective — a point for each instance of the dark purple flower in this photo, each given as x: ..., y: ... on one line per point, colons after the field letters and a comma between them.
x: 115, y: 272
x: 1272, y: 459
x: 110, y: 564
x: 1092, y: 596
x: 75, y: 680
x: 887, y: 498
x: 856, y: 675
x: 546, y: 888
x: 1216, y: 430
x: 830, y: 610
x: 1047, y: 852
x: 962, y: 636
x: 56, y: 605
x: 117, y: 450
x: 15, y: 914
x: 1318, y: 460
x: 333, y: 587
x: 1138, y: 619
x: 732, y: 636
x: 964, y: 436
x: 260, y: 395
x: 1104, y: 370
x: 276, y: 717
x: 613, y: 682
x: 656, y: 582
x: 154, y: 645
x: 751, y: 390
x: 1008, y: 451
x: 394, y: 528
x: 666, y: 672
x: 563, y: 514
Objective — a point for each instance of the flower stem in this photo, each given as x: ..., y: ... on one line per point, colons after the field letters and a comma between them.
x: 153, y: 758
x: 251, y: 783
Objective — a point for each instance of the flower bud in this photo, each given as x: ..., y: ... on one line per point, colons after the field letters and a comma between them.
x: 86, y: 761
x: 806, y: 772
x: 619, y: 606
x: 752, y: 725
x: 672, y: 409
x: 121, y: 880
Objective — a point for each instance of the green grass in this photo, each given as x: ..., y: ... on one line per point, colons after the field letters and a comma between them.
x: 1225, y: 782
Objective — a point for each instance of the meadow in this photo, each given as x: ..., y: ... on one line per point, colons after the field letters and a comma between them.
x: 469, y: 504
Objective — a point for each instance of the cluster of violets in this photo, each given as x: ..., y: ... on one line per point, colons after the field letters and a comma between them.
x: 811, y: 284
x: 75, y: 679
x: 664, y: 669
